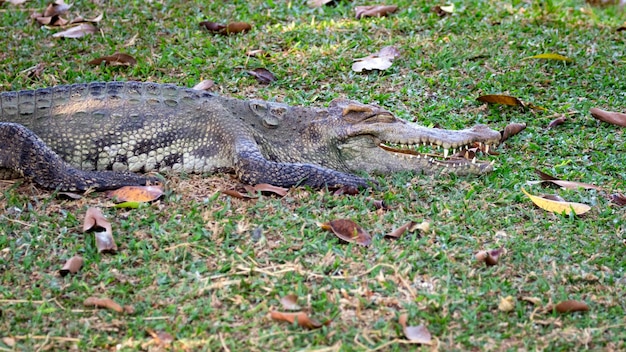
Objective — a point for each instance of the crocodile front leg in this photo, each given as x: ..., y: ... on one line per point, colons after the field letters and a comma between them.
x: 22, y: 152
x: 252, y: 168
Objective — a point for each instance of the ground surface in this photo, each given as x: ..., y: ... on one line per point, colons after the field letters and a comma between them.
x: 207, y: 268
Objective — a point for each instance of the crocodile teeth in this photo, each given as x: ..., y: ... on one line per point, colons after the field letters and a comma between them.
x: 445, y: 152
x: 486, y: 148
x: 474, y: 160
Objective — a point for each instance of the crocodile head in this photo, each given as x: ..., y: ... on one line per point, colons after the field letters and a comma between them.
x: 371, y: 139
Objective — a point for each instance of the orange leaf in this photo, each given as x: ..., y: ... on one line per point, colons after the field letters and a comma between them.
x: 301, y: 318
x: 136, y: 193
x: 103, y: 303
x: 348, y: 231
x: 571, y: 306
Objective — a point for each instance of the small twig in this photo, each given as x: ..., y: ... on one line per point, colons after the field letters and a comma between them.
x: 223, y: 343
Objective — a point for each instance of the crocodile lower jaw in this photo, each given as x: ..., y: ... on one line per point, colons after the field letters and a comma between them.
x: 443, y: 160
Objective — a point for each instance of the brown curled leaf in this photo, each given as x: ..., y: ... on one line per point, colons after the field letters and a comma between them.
x: 556, y: 122
x: 117, y: 59
x: 72, y: 266
x: 301, y: 318
x: 348, y: 231
x: 237, y: 194
x: 571, y: 306
x: 267, y: 188
x: 615, y: 118
x: 565, y: 184
x: 103, y: 303
x: 56, y: 8
x: 237, y: 27
x: 618, y: 199
x: 95, y: 221
x: 511, y: 130
x: 374, y: 11
x: 264, y: 76
x: 490, y: 257
x: 213, y: 26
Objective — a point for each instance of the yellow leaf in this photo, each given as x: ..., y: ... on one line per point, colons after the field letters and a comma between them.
x: 500, y: 99
x: 549, y: 56
x: 556, y: 206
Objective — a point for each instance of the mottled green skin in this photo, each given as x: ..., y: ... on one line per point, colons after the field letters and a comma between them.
x: 64, y: 137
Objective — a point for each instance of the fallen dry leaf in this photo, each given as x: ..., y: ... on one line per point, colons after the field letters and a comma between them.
x: 103, y: 303
x: 570, y: 306
x: 72, y: 265
x: 374, y: 11
x: 618, y: 199
x: 301, y: 318
x: 257, y: 53
x: 237, y: 194
x: 231, y: 28
x: 500, y: 99
x: 490, y: 257
x: 142, y: 194
x: 265, y: 187
x: 549, y: 56
x: 56, y: 8
x: 207, y: 84
x: 95, y: 221
x: 348, y: 231
x: 558, y: 207
x: 417, y: 334
x: 534, y: 300
x: 411, y: 226
x: 556, y: 122
x: 162, y: 339
x: 77, y: 31
x: 381, y: 60
x: 506, y: 304
x: 348, y: 190
x: 511, y: 130
x: 290, y: 302
x: 443, y: 11
x: 55, y: 20
x: 262, y: 75
x: 238, y: 27
x: 565, y: 184
x: 117, y: 59
x: 615, y: 118
x: 80, y: 19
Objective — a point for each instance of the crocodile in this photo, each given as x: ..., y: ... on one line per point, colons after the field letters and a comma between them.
x: 105, y: 135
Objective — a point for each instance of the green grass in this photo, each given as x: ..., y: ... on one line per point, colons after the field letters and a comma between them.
x: 207, y: 268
